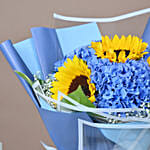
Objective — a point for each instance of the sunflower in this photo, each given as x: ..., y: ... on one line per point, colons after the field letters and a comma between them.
x: 119, y: 50
x: 74, y: 73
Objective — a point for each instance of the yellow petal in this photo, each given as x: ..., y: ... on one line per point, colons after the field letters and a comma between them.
x: 122, y: 42
x: 148, y: 60
x: 115, y: 42
x: 136, y: 44
x: 139, y: 47
x: 104, y: 45
x: 108, y: 42
x: 92, y: 99
x: 144, y: 46
x: 128, y: 42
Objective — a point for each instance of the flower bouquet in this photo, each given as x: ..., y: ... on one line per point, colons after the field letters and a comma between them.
x: 105, y: 84
x: 110, y: 74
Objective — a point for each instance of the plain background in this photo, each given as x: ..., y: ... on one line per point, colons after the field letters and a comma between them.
x: 21, y: 127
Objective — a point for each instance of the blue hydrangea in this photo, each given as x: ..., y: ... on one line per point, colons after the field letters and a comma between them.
x: 120, y: 85
x: 84, y: 53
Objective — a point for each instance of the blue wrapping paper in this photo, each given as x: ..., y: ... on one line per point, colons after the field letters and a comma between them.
x: 129, y: 138
x: 18, y: 64
x: 47, y: 47
x: 146, y: 33
x: 62, y: 127
x: 61, y: 42
x: 28, y: 54
x: 77, y: 36
x: 146, y: 36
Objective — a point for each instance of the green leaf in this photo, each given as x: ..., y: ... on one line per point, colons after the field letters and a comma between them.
x: 80, y: 97
x: 25, y: 77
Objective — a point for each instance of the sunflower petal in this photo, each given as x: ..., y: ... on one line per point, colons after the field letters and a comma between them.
x: 115, y: 42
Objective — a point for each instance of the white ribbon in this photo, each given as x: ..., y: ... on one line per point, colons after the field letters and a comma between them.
x: 104, y: 20
x: 82, y: 108
x: 47, y: 147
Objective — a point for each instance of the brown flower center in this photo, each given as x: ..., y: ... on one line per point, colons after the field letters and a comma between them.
x: 82, y: 81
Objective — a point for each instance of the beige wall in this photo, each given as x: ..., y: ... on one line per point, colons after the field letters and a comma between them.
x: 20, y: 125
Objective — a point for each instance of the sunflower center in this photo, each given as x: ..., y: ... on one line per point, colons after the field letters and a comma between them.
x: 127, y: 52
x: 82, y: 81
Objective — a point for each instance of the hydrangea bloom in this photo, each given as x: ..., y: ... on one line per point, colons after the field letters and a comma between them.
x: 84, y: 53
x: 120, y: 85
